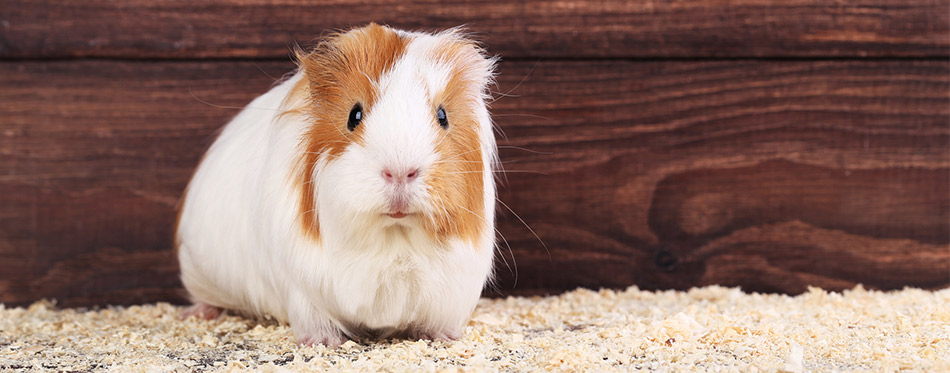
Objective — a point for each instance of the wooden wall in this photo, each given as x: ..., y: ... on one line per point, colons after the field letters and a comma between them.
x: 666, y: 144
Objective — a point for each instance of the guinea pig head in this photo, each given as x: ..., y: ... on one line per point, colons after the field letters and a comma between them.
x: 398, y: 134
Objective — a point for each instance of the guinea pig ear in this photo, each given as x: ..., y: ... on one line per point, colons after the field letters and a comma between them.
x: 470, y: 62
x: 315, y: 63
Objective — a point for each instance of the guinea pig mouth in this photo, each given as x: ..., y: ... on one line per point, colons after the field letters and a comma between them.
x: 398, y: 207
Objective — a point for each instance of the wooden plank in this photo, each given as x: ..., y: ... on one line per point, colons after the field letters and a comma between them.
x: 771, y: 175
x: 768, y: 175
x: 94, y: 157
x: 527, y: 29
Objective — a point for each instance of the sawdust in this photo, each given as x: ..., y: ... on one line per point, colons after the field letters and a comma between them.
x: 713, y: 328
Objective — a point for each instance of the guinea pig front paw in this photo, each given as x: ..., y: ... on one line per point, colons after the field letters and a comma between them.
x: 437, y: 335
x: 202, y: 311
x: 329, y: 340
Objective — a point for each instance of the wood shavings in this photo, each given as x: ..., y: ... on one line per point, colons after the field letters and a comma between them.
x: 712, y: 328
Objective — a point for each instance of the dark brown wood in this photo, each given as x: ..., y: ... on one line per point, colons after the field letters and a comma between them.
x: 770, y: 175
x: 94, y: 156
x: 526, y: 29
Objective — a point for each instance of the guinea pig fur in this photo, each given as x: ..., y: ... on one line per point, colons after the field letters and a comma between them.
x: 356, y: 198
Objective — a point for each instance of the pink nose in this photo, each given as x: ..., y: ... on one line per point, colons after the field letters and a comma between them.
x: 403, y: 177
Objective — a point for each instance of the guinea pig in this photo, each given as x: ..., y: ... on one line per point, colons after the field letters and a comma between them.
x: 356, y: 198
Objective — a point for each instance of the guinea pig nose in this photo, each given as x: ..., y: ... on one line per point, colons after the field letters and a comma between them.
x: 403, y: 177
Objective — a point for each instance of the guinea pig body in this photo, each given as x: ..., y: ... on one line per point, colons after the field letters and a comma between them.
x: 355, y: 198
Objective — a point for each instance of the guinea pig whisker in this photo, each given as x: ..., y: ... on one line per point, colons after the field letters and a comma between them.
x: 225, y: 106
x: 501, y: 166
x: 445, y: 216
x: 464, y: 172
x: 341, y: 132
x: 464, y: 161
x: 522, y: 115
x: 500, y: 131
x: 527, y: 226
x: 464, y: 153
x: 472, y: 212
x: 524, y: 149
x: 521, y: 172
x: 502, y: 172
x: 508, y: 94
x: 514, y: 261
x: 265, y: 72
x: 455, y: 224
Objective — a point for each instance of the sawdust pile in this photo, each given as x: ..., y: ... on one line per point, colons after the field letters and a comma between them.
x: 711, y: 328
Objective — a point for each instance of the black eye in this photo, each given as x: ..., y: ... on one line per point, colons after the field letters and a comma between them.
x: 356, y: 116
x: 443, y: 120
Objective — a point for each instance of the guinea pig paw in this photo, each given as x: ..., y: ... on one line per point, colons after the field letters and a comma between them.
x: 331, y: 340
x: 202, y: 311
x: 438, y: 335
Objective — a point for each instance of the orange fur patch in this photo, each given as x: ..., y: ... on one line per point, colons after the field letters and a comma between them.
x: 339, y: 73
x: 457, y: 183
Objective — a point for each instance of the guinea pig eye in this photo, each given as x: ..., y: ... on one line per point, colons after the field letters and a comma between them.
x: 443, y: 120
x: 356, y: 116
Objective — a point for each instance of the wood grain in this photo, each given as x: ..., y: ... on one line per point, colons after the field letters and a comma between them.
x: 525, y: 29
x: 770, y: 175
x: 767, y: 175
x: 94, y: 156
